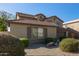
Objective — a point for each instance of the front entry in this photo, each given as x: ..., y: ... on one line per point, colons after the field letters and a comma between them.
x: 37, y: 35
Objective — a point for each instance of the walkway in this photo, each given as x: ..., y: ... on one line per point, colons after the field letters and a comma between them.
x: 41, y: 50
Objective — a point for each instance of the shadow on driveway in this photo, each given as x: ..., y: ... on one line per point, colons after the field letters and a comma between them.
x: 35, y: 46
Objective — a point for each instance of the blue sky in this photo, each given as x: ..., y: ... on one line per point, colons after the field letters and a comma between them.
x: 64, y: 11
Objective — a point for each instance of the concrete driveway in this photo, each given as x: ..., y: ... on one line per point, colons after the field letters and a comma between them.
x: 41, y: 50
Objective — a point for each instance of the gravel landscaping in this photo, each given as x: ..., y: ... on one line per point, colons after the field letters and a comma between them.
x: 41, y: 50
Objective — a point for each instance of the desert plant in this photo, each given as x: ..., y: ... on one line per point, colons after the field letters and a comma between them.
x: 24, y: 41
x: 10, y: 45
x: 69, y: 45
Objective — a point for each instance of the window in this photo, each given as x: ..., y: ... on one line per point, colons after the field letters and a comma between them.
x: 40, y: 32
x: 37, y: 33
x: 34, y: 32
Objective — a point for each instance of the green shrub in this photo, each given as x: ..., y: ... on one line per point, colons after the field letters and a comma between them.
x: 2, y: 27
x: 24, y: 41
x: 48, y: 40
x: 10, y: 45
x: 78, y: 44
x: 69, y: 45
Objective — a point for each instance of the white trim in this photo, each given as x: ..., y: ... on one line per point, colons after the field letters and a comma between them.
x: 8, y: 29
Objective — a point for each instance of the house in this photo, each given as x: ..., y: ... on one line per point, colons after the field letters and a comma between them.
x: 72, y: 28
x: 36, y: 27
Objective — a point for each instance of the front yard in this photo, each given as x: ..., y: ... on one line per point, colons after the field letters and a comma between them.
x: 17, y: 47
x: 41, y: 50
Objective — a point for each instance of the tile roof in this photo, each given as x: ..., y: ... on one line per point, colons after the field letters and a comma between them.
x: 33, y: 22
x: 34, y: 16
x: 72, y: 21
x: 38, y: 19
x: 56, y: 17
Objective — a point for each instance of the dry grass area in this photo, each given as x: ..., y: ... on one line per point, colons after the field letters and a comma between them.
x: 41, y: 50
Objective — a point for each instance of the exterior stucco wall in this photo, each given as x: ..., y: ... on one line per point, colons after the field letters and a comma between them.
x: 18, y: 30
x: 21, y: 30
x: 51, y: 32
x: 58, y: 22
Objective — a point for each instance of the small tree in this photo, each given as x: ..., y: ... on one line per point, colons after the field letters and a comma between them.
x: 2, y: 25
x: 3, y: 17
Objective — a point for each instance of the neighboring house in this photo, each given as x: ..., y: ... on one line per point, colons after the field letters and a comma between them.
x: 36, y: 27
x: 72, y: 28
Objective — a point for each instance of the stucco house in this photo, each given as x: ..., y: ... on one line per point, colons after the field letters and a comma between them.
x: 72, y: 28
x: 36, y: 27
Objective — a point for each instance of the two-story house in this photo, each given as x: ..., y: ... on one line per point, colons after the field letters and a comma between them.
x: 36, y: 27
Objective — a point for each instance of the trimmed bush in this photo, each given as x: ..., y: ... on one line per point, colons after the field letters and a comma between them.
x: 78, y: 44
x: 10, y: 45
x: 24, y: 41
x: 69, y: 45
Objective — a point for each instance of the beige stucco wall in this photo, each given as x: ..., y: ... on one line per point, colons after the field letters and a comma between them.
x: 58, y: 22
x: 51, y: 32
x: 21, y: 30
x: 74, y: 26
x: 18, y: 30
